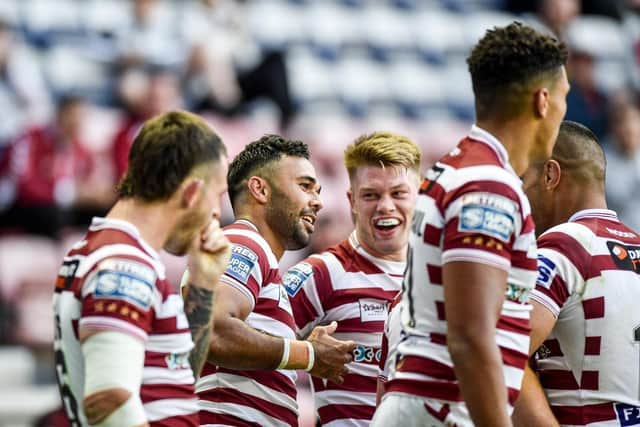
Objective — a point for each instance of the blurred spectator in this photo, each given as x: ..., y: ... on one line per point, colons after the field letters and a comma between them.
x: 24, y: 99
x: 227, y: 69
x: 52, y: 173
x: 623, y: 164
x: 150, y: 37
x: 586, y: 103
x: 144, y: 93
x: 558, y: 14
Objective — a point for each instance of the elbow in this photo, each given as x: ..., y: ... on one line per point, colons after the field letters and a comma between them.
x: 469, y: 343
x: 221, y: 336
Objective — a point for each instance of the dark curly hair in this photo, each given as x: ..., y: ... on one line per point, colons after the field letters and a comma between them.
x: 257, y: 157
x: 506, y: 61
x: 165, y: 151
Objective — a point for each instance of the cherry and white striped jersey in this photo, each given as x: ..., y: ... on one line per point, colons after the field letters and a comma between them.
x: 470, y: 207
x: 113, y: 280
x: 589, y: 279
x: 348, y: 285
x: 257, y: 397
x: 390, y: 339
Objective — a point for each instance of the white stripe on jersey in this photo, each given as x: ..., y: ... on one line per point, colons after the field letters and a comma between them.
x: 165, y: 408
x: 512, y: 340
x: 350, y: 310
x: 333, y: 397
x: 118, y: 250
x: 270, y: 325
x: 363, y: 369
x: 242, y: 412
x: 102, y: 322
x: 474, y: 255
x: 157, y: 375
x: 353, y: 422
x: 170, y: 343
x: 246, y: 386
x: 365, y: 338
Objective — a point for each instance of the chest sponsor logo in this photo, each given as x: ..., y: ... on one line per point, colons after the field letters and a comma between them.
x: 241, y: 263
x: 123, y: 286
x: 296, y: 277
x: 625, y: 257
x: 628, y: 415
x: 366, y: 354
x: 546, y: 272
x: 372, y: 310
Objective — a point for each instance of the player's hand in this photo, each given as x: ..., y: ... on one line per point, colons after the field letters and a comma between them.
x: 331, y: 355
x: 208, y: 257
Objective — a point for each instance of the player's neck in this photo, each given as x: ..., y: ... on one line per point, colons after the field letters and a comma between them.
x: 152, y: 220
x: 578, y: 198
x: 516, y: 138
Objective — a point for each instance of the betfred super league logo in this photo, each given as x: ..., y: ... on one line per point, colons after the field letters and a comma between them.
x: 626, y: 257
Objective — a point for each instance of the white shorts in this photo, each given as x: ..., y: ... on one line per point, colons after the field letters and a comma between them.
x: 404, y: 410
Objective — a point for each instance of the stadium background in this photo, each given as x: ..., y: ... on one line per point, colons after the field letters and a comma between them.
x: 80, y: 75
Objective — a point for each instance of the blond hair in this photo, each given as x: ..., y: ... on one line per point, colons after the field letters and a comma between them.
x: 382, y: 149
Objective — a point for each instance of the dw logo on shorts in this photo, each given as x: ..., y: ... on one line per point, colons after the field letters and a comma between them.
x: 628, y: 415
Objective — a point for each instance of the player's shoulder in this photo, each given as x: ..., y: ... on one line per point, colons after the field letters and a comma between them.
x: 249, y: 244
x: 568, y: 232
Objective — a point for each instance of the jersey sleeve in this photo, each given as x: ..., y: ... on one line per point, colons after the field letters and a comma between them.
x: 120, y: 293
x: 482, y: 223
x: 308, y: 285
x: 248, y: 267
x: 390, y: 339
x: 563, y: 264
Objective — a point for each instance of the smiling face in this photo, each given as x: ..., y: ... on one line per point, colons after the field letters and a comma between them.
x: 382, y: 204
x: 295, y: 201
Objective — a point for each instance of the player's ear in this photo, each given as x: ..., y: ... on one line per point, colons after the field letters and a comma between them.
x: 552, y: 174
x: 190, y: 191
x: 259, y: 189
x: 350, y: 198
x: 541, y: 102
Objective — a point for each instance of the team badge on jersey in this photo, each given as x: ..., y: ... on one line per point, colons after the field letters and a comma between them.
x: 488, y: 214
x: 296, y: 276
x: 241, y: 263
x: 125, y: 280
x: 546, y: 271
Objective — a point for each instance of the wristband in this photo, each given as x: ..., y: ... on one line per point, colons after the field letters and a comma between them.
x: 312, y: 357
x: 285, y: 354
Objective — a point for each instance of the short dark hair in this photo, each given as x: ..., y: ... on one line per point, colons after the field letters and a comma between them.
x: 257, y: 156
x: 506, y: 61
x: 165, y: 151
x: 579, y: 153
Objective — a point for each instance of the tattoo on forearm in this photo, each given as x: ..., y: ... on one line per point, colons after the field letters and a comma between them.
x: 198, y: 306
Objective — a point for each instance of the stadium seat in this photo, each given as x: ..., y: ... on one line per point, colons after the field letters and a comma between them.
x: 310, y: 78
x: 330, y: 28
x: 387, y: 30
x: 275, y: 24
x: 600, y: 36
x: 438, y: 34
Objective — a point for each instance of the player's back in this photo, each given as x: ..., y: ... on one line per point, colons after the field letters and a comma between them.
x: 470, y: 208
x: 590, y: 279
x: 113, y: 281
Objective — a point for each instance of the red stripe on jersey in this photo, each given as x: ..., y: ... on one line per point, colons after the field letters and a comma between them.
x: 432, y: 235
x: 225, y: 395
x: 583, y: 415
x: 384, y: 352
x: 440, y: 310
x: 321, y: 278
x: 557, y: 379
x: 303, y: 310
x: 558, y: 291
x: 352, y: 261
x: 513, y: 358
x: 272, y: 379
x: 357, y: 325
x: 431, y: 389
x: 428, y: 367
x: 225, y: 420
x: 352, y: 382
x: 192, y: 420
x: 149, y: 393
x: 438, y: 338
x: 570, y: 248
x: 338, y: 412
x: 512, y: 395
x: 592, y: 346
x: 513, y: 324
x: 434, y: 273
x: 270, y: 308
x: 593, y: 308
x: 152, y: 358
x: 553, y: 347
x: 590, y: 380
x: 472, y: 153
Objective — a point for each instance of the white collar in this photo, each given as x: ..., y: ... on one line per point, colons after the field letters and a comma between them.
x: 594, y: 213
x: 478, y: 134
x: 99, y: 223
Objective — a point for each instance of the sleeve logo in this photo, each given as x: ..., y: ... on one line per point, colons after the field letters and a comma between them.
x: 296, y: 277
x: 546, y: 272
x: 626, y: 257
x: 242, y: 262
x: 123, y: 286
x: 488, y: 214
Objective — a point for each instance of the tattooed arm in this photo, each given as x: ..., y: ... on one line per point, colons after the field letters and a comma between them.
x: 208, y: 259
x: 198, y: 306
